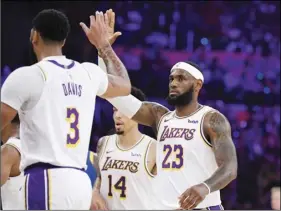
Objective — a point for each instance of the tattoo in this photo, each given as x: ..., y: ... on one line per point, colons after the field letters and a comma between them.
x: 218, y: 130
x: 100, y: 145
x: 113, y: 64
x: 149, y: 114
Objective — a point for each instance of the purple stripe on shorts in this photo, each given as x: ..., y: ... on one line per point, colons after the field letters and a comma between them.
x: 218, y: 207
x: 36, y: 199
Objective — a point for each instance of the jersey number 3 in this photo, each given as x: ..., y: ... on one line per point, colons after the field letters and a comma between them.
x: 169, y: 150
x: 72, y: 117
x: 120, y: 185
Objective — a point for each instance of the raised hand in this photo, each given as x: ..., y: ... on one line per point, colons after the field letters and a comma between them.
x: 98, y: 32
x: 110, y: 24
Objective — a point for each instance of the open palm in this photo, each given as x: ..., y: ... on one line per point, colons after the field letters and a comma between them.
x: 110, y: 24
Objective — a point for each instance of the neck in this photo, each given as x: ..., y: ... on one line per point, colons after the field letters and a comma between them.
x: 6, y: 137
x: 130, y: 138
x: 49, y: 51
x: 187, y: 109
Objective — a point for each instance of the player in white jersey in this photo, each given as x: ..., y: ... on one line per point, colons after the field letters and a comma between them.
x: 196, y: 156
x: 55, y: 99
x: 11, y: 178
x: 126, y: 166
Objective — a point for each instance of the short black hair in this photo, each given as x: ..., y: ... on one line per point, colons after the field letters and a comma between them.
x: 16, y: 120
x: 137, y: 93
x: 194, y: 65
x: 52, y: 25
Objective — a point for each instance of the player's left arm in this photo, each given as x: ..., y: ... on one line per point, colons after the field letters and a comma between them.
x: 10, y: 159
x: 218, y: 130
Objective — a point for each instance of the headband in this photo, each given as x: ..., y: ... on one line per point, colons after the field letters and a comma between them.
x: 190, y: 69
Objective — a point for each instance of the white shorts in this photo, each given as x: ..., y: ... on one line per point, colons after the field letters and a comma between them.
x: 57, y: 189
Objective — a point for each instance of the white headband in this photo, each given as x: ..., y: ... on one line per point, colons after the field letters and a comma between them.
x: 190, y: 69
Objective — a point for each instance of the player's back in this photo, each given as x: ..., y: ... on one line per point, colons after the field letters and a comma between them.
x: 184, y: 157
x: 56, y: 130
x: 126, y: 181
x: 55, y: 133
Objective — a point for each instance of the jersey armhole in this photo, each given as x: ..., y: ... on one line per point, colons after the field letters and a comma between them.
x: 158, y: 125
x: 202, y: 130
x: 145, y: 160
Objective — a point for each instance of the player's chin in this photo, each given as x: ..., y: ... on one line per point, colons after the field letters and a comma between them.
x: 119, y: 131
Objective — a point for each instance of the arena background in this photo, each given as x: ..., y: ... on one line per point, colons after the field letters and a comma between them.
x: 237, y: 45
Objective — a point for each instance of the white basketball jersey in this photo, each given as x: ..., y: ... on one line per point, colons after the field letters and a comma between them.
x: 10, y: 191
x: 57, y: 129
x: 184, y: 158
x: 126, y: 182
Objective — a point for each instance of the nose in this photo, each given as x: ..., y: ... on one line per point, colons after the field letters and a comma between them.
x: 173, y: 84
x: 117, y: 115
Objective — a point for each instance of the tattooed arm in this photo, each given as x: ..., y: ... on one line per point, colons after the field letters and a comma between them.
x: 118, y: 79
x: 150, y: 114
x: 217, y: 129
x: 99, y: 150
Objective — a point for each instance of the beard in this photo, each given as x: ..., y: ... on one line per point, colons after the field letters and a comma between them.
x: 32, y: 55
x: 181, y: 100
x: 119, y: 132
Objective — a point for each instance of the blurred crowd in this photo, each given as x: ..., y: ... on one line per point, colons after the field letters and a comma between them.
x: 236, y: 45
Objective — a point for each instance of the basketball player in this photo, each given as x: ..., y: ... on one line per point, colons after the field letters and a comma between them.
x: 196, y: 156
x: 55, y: 99
x: 127, y: 166
x: 11, y: 177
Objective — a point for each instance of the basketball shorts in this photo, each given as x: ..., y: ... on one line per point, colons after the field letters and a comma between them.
x: 56, y: 189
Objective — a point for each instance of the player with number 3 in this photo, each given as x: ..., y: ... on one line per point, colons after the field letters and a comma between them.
x: 55, y: 99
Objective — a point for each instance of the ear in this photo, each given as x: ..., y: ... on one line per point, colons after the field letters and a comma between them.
x: 63, y: 43
x: 198, y: 85
x: 34, y: 36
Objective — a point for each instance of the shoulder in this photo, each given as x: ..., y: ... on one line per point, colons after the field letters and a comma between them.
x: 14, y: 142
x: 91, y: 67
x: 102, y: 142
x: 216, y: 122
x: 149, y: 141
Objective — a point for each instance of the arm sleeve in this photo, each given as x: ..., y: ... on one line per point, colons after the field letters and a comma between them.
x: 127, y: 105
x: 23, y: 88
x: 98, y: 76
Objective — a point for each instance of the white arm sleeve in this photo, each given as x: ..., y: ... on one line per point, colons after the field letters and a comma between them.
x: 23, y: 87
x: 127, y: 105
x: 98, y: 75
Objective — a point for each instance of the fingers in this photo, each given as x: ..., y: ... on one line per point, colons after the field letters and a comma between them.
x: 112, y: 20
x: 106, y: 19
x: 189, y: 202
x: 85, y: 28
x: 92, y: 21
x: 100, y: 17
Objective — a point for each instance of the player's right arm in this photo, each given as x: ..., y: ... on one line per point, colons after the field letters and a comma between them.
x: 145, y: 113
x: 98, y: 202
x: 118, y: 81
x: 10, y: 160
